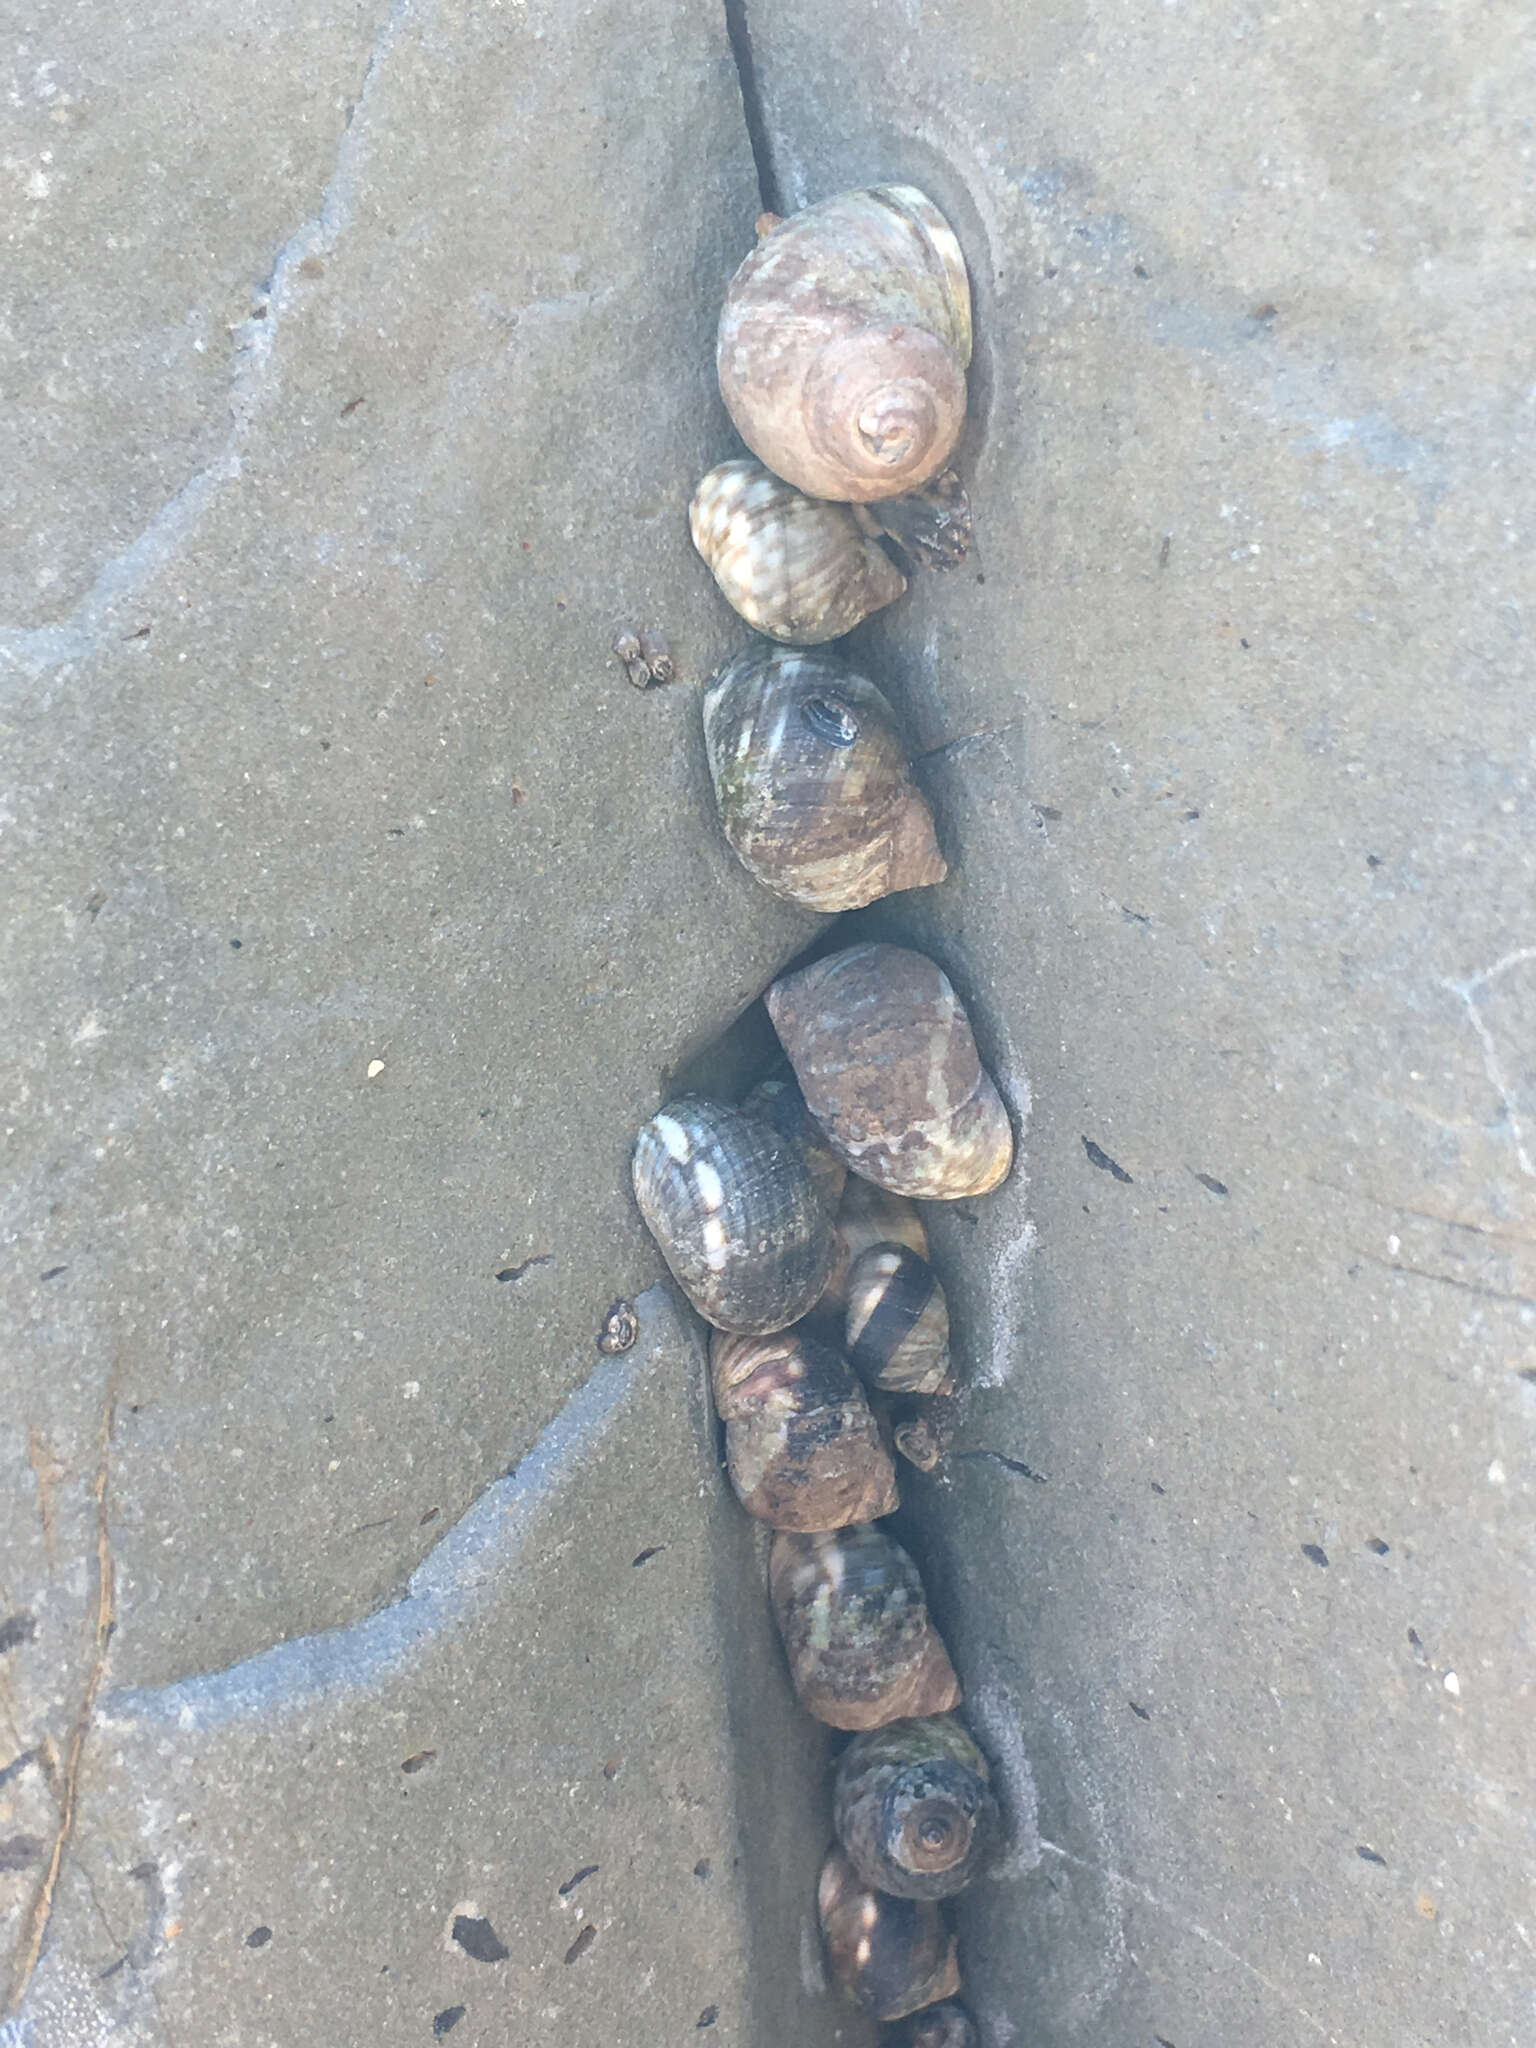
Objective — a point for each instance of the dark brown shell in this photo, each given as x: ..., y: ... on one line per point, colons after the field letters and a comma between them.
x: 913, y: 1808
x: 938, y: 2026
x: 866, y: 1215
x: 897, y: 1333
x: 889, y: 1956
x: 861, y: 1648
x: 801, y: 1445
x: 922, y: 1427
x: 780, y: 1101
x: 736, y: 1213
x: 844, y: 342
x: 812, y: 780
x: 885, y: 1056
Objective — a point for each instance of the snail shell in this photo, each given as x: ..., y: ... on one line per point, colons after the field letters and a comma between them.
x: 844, y: 343
x: 914, y: 1810
x: 855, y: 1625
x: 812, y: 781
x: 735, y: 1212
x: 801, y: 1444
x: 939, y: 2026
x: 897, y: 1335
x: 922, y: 1428
x: 890, y: 1956
x: 867, y: 1215
x: 780, y: 1101
x: 796, y: 568
x: 885, y: 1056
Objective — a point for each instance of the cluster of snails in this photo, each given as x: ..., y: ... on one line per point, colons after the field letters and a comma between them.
x: 788, y: 1218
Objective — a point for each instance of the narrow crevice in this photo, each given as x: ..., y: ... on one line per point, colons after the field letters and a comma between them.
x: 752, y: 104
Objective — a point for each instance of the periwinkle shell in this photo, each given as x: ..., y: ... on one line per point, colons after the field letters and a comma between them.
x: 938, y: 2026
x: 736, y: 1213
x: 802, y: 1446
x: 780, y: 1101
x: 889, y: 1956
x: 913, y: 1808
x: 884, y: 1053
x: 897, y: 1332
x: 812, y: 780
x: 866, y: 1215
x: 861, y: 1648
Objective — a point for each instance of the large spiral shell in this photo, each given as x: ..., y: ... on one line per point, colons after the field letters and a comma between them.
x: 889, y: 1956
x: 844, y: 343
x: 798, y: 569
x: 914, y: 1809
x: 801, y: 1444
x: 888, y: 1064
x: 855, y: 1625
x: 736, y: 1213
x: 812, y: 780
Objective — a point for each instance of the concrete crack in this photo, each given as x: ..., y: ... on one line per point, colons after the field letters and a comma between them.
x: 1467, y: 992
x: 752, y: 105
x: 28, y: 652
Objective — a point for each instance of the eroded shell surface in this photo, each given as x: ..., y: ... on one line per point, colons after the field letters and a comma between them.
x: 812, y: 780
x: 798, y: 569
x: 844, y: 342
x: 913, y: 1808
x: 938, y: 2026
x: 780, y: 1101
x: 897, y: 1331
x: 861, y: 1648
x: 801, y: 1445
x: 887, y: 1061
x: 736, y: 1213
x: 889, y: 1956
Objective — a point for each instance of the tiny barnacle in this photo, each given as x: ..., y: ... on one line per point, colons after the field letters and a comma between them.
x: 621, y: 1326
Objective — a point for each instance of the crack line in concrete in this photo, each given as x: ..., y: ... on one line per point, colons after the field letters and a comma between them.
x: 752, y: 105
x: 30, y: 651
x: 1466, y: 991
x: 486, y: 1541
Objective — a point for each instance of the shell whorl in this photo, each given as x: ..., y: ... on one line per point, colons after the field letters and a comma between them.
x: 897, y: 1333
x: 914, y: 1810
x: 802, y: 1446
x: 889, y: 1956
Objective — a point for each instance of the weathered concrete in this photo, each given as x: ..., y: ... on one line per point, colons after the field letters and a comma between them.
x: 1232, y: 743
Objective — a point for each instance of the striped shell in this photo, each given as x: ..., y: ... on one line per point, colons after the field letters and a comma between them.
x: 897, y: 1333
x: 914, y: 1810
x: 867, y: 1215
x: 801, y: 1444
x: 889, y: 1956
x: 855, y: 1625
x: 844, y: 343
x: 812, y: 781
x: 736, y: 1213
x: 797, y: 568
x: 885, y: 1056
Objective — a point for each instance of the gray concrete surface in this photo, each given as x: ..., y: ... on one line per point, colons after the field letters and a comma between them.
x: 355, y: 376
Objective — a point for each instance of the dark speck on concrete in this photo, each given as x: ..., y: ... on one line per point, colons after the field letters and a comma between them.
x: 586, y: 1870
x: 1369, y: 1855
x: 1316, y: 1552
x: 1134, y: 916
x: 15, y: 1630
x: 1209, y: 1180
x: 52, y: 1272
x: 1162, y: 2041
x: 582, y: 1943
x: 479, y: 1939
x: 1140, y: 1712
x: 418, y: 1762
x: 445, y: 2021
x: 1375, y: 1545
x: 707, y: 2017
x: 1097, y: 1156
x: 1373, y: 860
x: 651, y: 1550
x: 702, y: 1868
x: 17, y: 1765
x: 516, y: 1272
x: 20, y: 1851
x: 234, y: 945
x: 258, y: 1937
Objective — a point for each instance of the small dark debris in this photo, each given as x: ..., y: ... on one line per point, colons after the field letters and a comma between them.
x: 703, y: 1867
x: 112, y: 1968
x: 258, y: 1937
x: 581, y: 1944
x: 979, y: 577
x: 621, y: 1326
x: 1316, y: 1552
x: 1376, y: 1547
x: 445, y: 2021
x: 1373, y: 860
x: 17, y: 1765
x: 1268, y: 311
x: 479, y: 1939
x: 650, y: 1550
x: 20, y: 1851
x: 143, y: 1872
x: 1165, y: 551
x: 96, y: 902
x: 418, y: 1762
x: 586, y: 1870
x: 1370, y: 1856
x: 1156, y: 1488
x: 518, y: 795
x: 352, y: 404
x: 1046, y: 813
x: 612, y: 1767
x: 1140, y: 1712
x: 1134, y: 916
x: 1162, y: 2041
x: 139, y: 633
x: 1140, y: 270
x: 1209, y: 1180
x: 1190, y: 817
x: 52, y: 1272
x: 1242, y: 642
x: 1526, y: 1372
x: 17, y: 1629
x: 312, y: 266
x: 397, y: 831
x: 431, y: 1515
x: 516, y: 1272
x: 1097, y: 1156
x: 706, y: 2018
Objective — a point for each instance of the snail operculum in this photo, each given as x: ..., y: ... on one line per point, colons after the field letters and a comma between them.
x: 897, y: 1335
x: 802, y: 1447
x: 735, y: 1210
x: 798, y: 569
x: 914, y: 1809
x: 813, y: 783
x: 889, y: 1956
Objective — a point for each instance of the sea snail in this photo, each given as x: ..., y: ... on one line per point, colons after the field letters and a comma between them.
x: 890, y: 1956
x: 866, y: 1215
x: 938, y: 2026
x: 780, y: 1101
x: 885, y: 1056
x: 844, y: 342
x: 736, y: 1213
x: 897, y: 1332
x: 797, y: 568
x: 914, y: 1810
x: 801, y: 1445
x: 812, y: 781
x: 855, y: 1626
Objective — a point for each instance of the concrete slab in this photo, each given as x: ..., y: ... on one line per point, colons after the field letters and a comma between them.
x: 1228, y: 724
